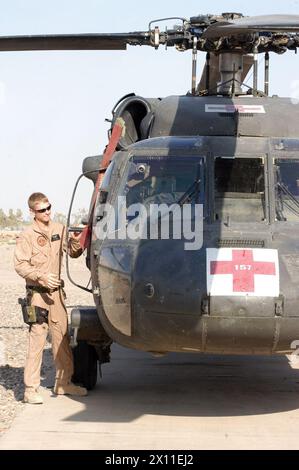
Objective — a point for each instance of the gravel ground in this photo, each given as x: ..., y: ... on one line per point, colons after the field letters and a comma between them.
x: 14, y: 333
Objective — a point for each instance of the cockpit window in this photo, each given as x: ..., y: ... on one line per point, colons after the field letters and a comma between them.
x: 239, y: 189
x: 287, y: 189
x: 163, y: 180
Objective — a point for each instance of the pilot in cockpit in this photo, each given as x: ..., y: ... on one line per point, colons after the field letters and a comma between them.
x: 163, y: 189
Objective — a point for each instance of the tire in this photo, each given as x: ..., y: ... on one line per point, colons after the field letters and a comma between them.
x: 85, y: 365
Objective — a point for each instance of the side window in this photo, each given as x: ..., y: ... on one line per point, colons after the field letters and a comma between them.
x: 239, y: 189
x: 287, y: 189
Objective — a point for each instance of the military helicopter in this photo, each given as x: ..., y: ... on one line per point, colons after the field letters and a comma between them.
x: 226, y: 148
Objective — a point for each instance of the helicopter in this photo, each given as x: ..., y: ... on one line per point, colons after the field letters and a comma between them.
x: 191, y: 237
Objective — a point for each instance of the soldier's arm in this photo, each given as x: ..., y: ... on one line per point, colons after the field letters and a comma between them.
x: 22, y: 257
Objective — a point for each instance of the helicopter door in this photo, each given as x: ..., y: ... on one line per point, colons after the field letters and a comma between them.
x: 83, y: 191
x: 76, y: 219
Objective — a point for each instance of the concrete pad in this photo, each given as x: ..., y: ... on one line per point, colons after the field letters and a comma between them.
x: 181, y: 401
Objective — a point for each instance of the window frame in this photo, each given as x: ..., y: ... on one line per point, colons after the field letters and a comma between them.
x: 212, y: 192
x: 201, y: 161
x: 276, y: 158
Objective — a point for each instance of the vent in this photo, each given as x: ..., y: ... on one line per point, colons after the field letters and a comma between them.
x: 227, y: 115
x: 241, y: 243
x: 234, y: 115
x: 246, y: 115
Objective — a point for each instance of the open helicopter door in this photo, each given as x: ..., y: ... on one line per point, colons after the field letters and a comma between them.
x: 103, y: 163
x: 91, y: 344
x: 110, y: 149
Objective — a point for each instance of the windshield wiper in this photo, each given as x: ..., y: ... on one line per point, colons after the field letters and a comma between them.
x: 193, y: 190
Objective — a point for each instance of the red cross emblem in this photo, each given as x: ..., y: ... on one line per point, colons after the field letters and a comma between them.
x: 243, y: 268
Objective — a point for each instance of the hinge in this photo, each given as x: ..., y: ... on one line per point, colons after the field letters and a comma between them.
x: 279, y: 307
x: 96, y: 291
x: 205, y: 306
x: 73, y: 337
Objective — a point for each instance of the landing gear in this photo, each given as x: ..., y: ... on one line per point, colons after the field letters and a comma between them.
x: 91, y: 345
x: 85, y: 365
x: 86, y: 358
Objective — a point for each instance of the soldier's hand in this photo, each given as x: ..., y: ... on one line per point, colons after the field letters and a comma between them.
x: 50, y: 281
x: 76, y: 235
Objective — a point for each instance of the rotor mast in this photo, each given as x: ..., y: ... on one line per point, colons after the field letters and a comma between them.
x: 230, y: 68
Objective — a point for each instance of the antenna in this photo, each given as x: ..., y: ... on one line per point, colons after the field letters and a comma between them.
x: 255, y: 70
x: 208, y: 67
x: 194, y: 65
x: 267, y: 67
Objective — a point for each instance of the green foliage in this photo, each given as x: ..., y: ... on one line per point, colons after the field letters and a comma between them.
x: 78, y: 216
x: 60, y: 218
x: 2, y: 218
x: 14, y: 219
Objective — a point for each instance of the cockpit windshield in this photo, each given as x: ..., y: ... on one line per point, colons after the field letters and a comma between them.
x: 164, y: 180
x: 287, y: 189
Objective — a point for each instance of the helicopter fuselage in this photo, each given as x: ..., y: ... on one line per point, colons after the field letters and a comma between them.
x: 237, y: 292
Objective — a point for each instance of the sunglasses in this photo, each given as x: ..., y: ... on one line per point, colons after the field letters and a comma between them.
x: 41, y: 211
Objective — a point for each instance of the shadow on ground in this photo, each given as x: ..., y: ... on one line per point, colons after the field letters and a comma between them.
x: 12, y: 378
x: 136, y: 383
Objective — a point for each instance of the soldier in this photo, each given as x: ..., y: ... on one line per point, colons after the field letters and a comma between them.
x: 38, y: 257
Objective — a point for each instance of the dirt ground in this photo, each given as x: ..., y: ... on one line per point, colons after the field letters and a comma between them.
x: 8, y: 236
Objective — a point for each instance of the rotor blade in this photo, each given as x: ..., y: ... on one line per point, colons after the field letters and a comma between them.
x: 102, y: 41
x: 271, y: 23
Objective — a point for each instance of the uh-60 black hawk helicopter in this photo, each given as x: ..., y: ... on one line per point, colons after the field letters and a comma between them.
x: 225, y: 147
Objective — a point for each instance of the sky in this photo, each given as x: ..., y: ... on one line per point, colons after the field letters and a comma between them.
x: 53, y: 104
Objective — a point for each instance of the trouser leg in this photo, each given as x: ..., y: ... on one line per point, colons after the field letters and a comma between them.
x: 62, y: 352
x: 37, y: 341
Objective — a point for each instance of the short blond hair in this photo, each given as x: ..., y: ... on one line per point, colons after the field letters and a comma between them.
x: 36, y: 197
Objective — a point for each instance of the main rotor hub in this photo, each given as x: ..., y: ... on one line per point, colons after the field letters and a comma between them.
x: 232, y: 16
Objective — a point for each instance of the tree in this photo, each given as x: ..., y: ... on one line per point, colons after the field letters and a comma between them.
x: 60, y: 218
x: 19, y: 217
x: 78, y: 216
x: 3, y: 219
x: 11, y: 219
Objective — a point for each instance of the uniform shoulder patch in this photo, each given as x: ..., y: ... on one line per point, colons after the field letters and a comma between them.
x: 41, y: 241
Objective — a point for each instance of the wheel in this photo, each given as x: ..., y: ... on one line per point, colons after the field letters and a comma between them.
x: 85, y: 365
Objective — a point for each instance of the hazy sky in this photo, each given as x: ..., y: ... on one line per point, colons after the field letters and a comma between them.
x: 53, y: 105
